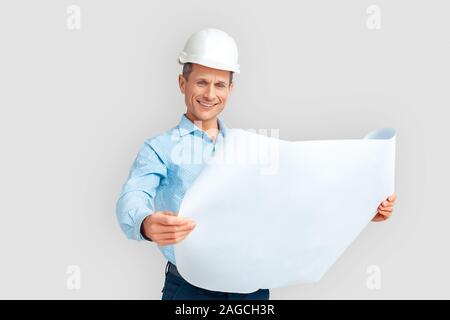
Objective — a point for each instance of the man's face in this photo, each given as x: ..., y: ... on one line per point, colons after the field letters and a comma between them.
x: 206, y: 92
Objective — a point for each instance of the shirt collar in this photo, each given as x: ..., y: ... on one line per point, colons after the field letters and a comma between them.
x: 186, y: 126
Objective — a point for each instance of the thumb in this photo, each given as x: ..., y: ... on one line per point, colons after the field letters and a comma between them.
x: 176, y: 214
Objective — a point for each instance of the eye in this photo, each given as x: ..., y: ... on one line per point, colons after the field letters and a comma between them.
x: 201, y: 83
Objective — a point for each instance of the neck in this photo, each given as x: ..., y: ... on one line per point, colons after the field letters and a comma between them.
x: 210, y: 126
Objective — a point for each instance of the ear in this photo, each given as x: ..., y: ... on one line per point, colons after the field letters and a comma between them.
x: 231, y: 86
x: 182, y: 83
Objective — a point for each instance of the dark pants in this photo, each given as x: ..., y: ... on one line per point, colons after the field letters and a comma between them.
x: 176, y: 288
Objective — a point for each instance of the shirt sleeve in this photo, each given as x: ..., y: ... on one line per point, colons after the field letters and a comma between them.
x: 136, y: 200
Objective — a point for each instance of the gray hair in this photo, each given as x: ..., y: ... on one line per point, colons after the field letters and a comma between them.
x: 187, y: 69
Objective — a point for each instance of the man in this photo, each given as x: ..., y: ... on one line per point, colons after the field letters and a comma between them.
x: 151, y: 197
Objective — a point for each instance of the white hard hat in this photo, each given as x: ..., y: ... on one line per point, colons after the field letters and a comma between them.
x: 211, y: 48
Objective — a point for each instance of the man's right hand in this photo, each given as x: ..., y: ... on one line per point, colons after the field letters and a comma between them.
x: 165, y: 227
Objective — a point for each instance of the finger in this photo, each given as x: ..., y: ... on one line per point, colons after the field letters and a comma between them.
x: 392, y: 197
x: 169, y: 219
x: 387, y: 204
x: 389, y: 209
x: 172, y: 241
x: 173, y: 235
x: 175, y: 220
x: 379, y: 218
x: 385, y: 213
x: 385, y: 208
x: 174, y: 228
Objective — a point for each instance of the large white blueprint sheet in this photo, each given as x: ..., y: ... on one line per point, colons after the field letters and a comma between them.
x: 272, y: 213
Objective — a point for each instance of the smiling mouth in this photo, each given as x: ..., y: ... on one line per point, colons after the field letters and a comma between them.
x: 206, y: 105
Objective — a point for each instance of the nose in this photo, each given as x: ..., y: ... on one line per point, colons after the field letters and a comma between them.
x: 209, y: 93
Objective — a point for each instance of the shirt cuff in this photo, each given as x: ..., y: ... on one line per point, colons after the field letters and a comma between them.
x: 137, y: 228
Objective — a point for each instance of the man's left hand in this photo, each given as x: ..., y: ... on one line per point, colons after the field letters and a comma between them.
x: 385, y: 209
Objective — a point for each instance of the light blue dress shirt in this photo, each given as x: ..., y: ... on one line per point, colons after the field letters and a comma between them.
x: 163, y: 170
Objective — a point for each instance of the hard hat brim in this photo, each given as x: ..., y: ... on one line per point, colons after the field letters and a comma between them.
x: 184, y: 58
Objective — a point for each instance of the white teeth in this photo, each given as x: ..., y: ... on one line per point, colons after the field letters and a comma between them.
x: 206, y: 105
